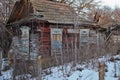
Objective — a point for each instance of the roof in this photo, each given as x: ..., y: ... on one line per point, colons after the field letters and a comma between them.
x: 18, y: 12
x: 53, y: 12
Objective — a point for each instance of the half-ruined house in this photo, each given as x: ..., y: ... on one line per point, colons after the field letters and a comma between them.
x: 49, y: 26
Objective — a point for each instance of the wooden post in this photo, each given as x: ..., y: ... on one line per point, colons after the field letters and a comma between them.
x: 115, y: 75
x: 101, y: 67
x: 39, y: 68
x: 14, y: 62
x: 0, y: 61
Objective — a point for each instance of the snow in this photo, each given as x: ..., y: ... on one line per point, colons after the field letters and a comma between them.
x: 7, y: 75
x: 88, y: 73
x: 79, y: 72
x: 74, y: 76
x: 26, y: 77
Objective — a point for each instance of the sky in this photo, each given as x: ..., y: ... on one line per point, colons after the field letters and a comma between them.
x: 111, y: 3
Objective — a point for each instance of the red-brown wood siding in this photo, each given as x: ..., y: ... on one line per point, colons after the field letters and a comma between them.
x: 44, y: 39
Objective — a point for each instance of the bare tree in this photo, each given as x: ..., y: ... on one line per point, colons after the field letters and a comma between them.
x: 106, y: 17
x: 5, y: 9
x: 116, y: 15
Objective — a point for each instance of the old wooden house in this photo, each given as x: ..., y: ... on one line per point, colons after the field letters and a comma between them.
x: 53, y: 25
x: 49, y: 29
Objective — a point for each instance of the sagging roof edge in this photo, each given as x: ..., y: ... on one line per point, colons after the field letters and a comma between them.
x: 22, y: 21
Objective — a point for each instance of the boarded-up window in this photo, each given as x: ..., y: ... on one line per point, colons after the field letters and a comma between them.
x: 25, y: 39
x: 56, y: 37
x: 93, y: 37
x: 56, y: 41
x: 84, y: 35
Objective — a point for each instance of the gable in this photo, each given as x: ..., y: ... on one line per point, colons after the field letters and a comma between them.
x: 20, y: 10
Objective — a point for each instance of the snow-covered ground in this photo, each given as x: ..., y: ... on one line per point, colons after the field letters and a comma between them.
x: 7, y: 75
x: 88, y: 72
x: 84, y: 71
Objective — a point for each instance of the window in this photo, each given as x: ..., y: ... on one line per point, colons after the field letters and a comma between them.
x: 57, y: 37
